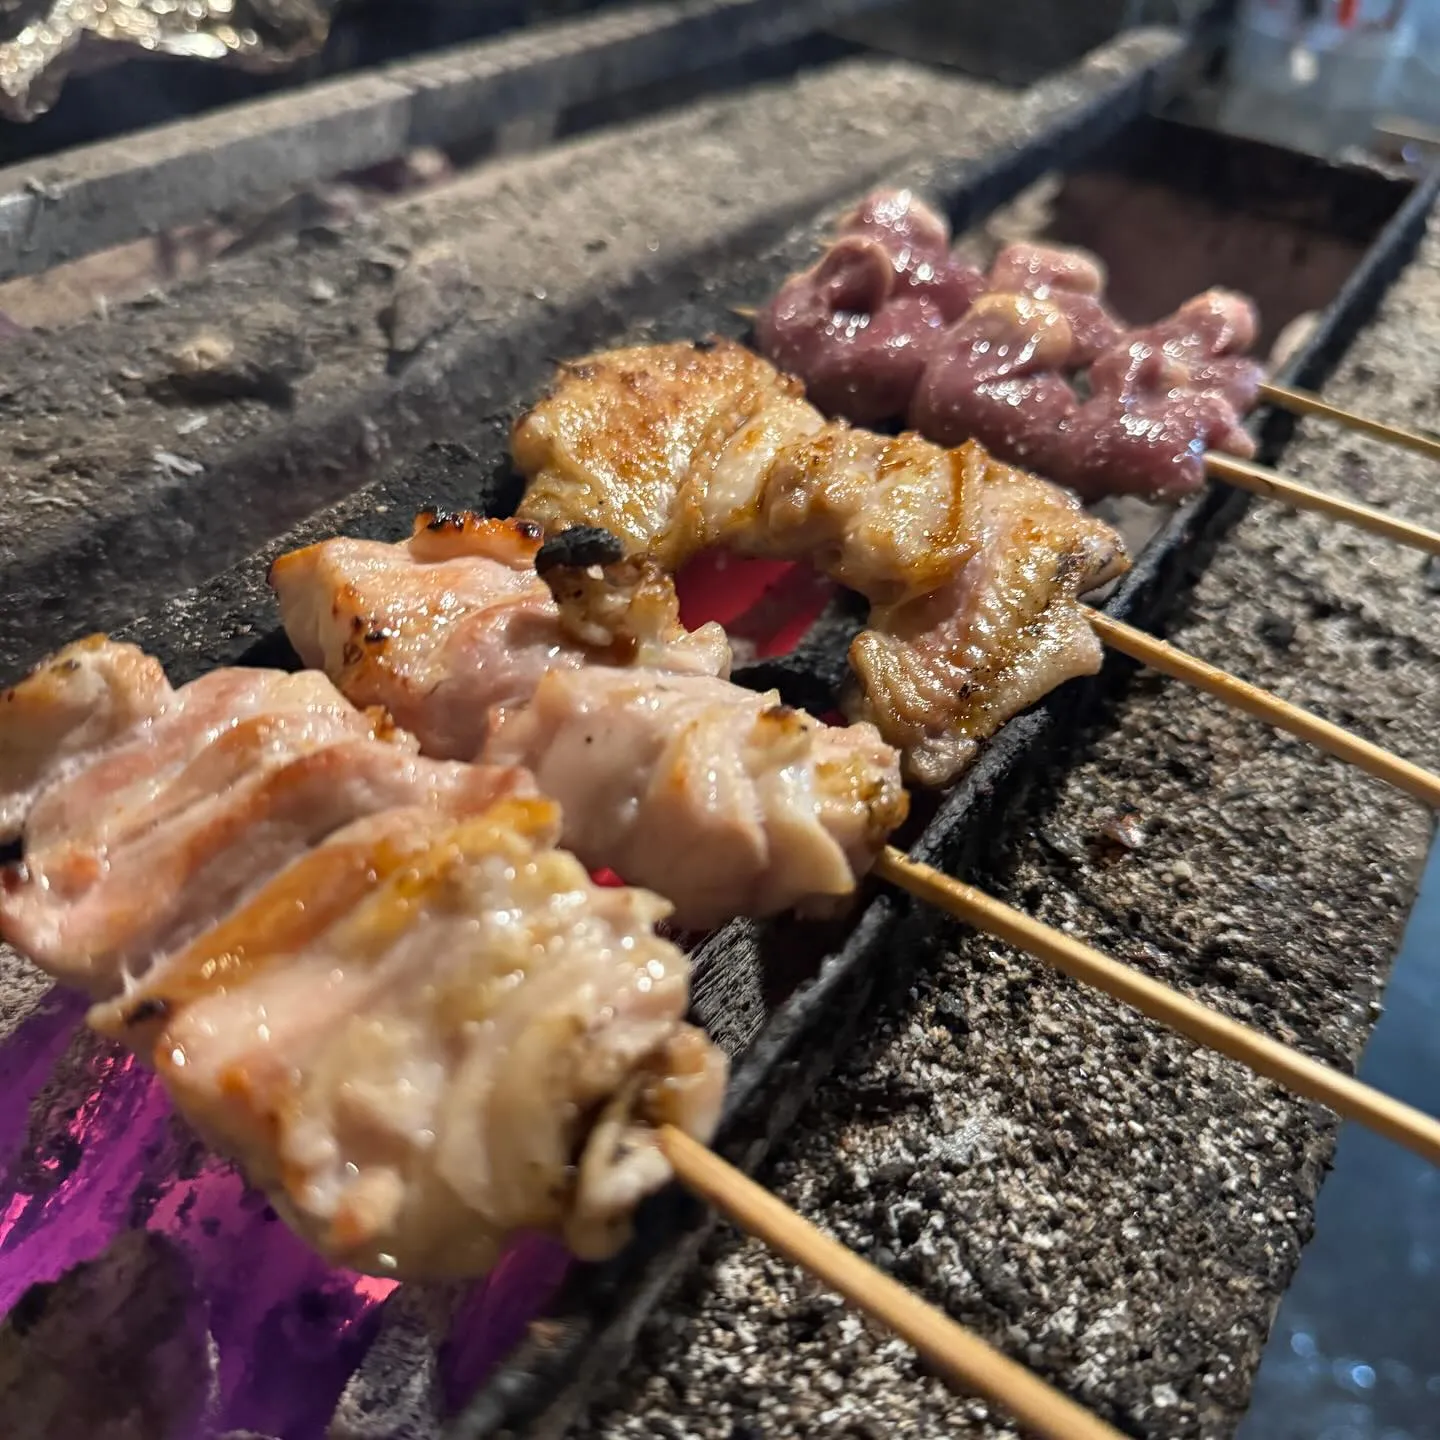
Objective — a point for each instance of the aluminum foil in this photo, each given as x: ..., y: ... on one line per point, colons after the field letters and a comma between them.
x: 41, y: 41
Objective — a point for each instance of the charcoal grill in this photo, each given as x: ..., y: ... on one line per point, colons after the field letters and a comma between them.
x: 784, y: 999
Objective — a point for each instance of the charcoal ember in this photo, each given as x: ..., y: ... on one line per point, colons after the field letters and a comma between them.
x: 578, y: 547
x: 397, y: 1389
x: 815, y: 674
x: 261, y: 359
x: 118, y: 1348
x: 430, y: 294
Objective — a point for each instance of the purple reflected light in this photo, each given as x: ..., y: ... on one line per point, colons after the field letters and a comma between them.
x: 89, y: 1149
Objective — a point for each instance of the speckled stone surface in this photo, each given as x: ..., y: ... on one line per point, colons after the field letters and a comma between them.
x: 1095, y: 1197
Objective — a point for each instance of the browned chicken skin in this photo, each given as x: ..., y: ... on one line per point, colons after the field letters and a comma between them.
x: 973, y: 568
x: 941, y: 673
x: 625, y: 418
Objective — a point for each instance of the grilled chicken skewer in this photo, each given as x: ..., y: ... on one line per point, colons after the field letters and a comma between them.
x: 430, y: 1029
x: 369, y: 977
x: 973, y: 569
x: 722, y: 799
x: 939, y: 671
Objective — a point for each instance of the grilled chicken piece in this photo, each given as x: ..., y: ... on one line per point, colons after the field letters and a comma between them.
x: 787, y: 825
x: 619, y: 435
x: 997, y: 381
x: 455, y: 1037
x: 455, y: 624
x: 728, y: 801
x: 889, y: 516
x: 437, y: 630
x: 624, y: 609
x: 917, y: 241
x: 80, y: 699
x: 862, y: 323
x: 861, y: 347
x: 132, y: 849
x: 960, y: 556
x: 888, y: 323
x: 912, y: 232
x: 94, y: 793
x: 1198, y: 351
x: 766, y: 474
x: 941, y: 673
x: 1160, y: 398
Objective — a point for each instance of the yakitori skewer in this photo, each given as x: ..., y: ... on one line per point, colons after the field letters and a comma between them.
x: 962, y: 1357
x: 1413, y: 779
x: 1304, y: 402
x: 1263, y: 481
x: 1346, y: 1096
x: 1260, y: 480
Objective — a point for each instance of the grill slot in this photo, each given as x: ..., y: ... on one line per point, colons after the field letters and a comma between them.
x: 119, y: 190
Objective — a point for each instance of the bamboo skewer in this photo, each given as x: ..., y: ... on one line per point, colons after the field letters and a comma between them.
x: 965, y: 1360
x: 1352, y: 1099
x: 1413, y: 779
x: 1260, y: 480
x: 1303, y: 402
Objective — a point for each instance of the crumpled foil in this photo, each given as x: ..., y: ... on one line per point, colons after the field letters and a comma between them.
x: 42, y: 41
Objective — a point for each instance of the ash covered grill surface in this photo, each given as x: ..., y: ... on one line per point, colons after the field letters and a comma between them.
x: 951, y: 1107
